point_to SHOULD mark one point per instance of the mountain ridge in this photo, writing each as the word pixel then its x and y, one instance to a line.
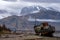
pixel 21 22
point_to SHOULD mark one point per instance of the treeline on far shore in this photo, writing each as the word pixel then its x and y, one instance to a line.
pixel 4 29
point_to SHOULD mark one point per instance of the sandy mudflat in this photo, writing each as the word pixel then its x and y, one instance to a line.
pixel 27 37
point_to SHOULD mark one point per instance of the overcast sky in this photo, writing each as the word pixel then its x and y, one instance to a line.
pixel 46 1
pixel 15 6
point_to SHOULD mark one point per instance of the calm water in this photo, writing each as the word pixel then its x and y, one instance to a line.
pixel 57 34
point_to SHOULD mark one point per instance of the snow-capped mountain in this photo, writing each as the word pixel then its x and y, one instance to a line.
pixel 31 9
pixel 28 10
pixel 41 12
pixel 36 9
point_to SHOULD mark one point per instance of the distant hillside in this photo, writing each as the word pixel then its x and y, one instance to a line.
pixel 17 22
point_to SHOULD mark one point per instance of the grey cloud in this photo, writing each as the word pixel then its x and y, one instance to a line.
pixel 46 1
pixel 3 11
pixel 10 0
